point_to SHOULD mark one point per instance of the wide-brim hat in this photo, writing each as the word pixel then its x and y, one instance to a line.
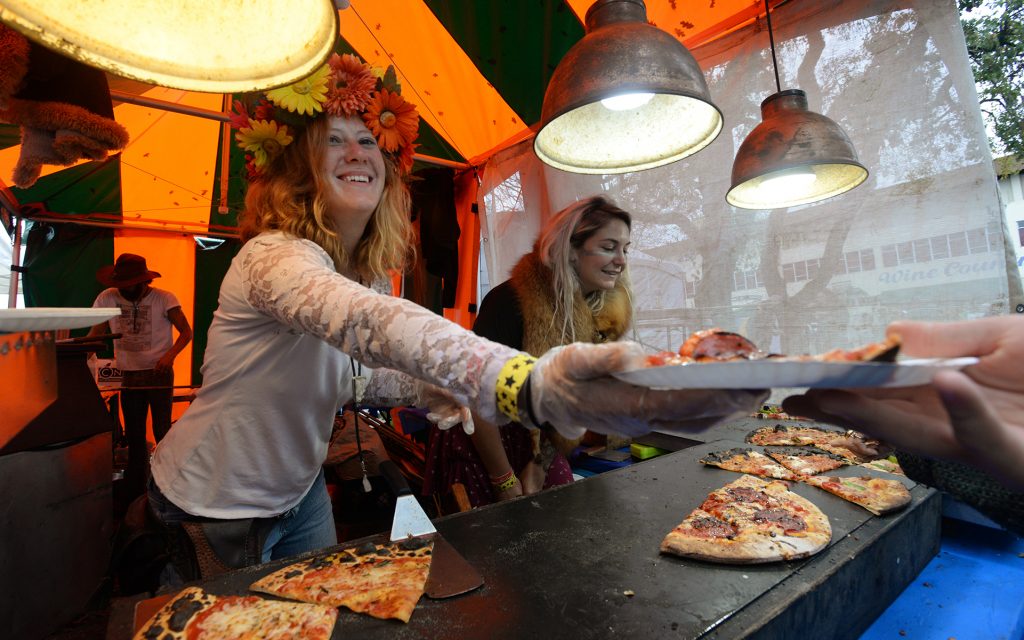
pixel 128 270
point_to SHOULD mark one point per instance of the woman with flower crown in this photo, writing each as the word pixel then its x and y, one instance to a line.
pixel 303 310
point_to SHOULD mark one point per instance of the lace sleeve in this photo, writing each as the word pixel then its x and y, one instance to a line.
pixel 294 282
pixel 390 388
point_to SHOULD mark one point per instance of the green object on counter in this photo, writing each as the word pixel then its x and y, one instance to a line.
pixel 644 452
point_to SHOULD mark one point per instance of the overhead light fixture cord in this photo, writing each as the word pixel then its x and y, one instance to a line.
pixel 771 41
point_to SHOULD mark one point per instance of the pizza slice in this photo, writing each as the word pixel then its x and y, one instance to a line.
pixel 851 445
pixel 750 521
pixel 384 581
pixel 715 345
pixel 806 461
pixel 788 435
pixel 877 495
pixel 885 351
pixel 884 464
pixel 774 412
pixel 194 614
pixel 749 461
pixel 854 454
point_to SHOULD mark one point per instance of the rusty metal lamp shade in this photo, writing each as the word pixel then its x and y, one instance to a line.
pixel 623 56
pixel 795 156
pixel 216 47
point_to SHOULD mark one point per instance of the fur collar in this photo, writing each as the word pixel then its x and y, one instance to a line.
pixel 532 282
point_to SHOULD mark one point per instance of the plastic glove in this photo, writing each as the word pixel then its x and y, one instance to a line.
pixel 571 388
pixel 442 408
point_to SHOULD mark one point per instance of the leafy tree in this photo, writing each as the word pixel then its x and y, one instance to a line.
pixel 995 44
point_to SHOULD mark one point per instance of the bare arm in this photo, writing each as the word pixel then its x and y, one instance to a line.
pixel 180 322
pixel 487 441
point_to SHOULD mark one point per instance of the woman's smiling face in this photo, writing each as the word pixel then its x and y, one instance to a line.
pixel 601 259
pixel 353 167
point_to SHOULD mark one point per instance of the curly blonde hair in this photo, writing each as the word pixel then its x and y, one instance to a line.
pixel 566 231
pixel 290 198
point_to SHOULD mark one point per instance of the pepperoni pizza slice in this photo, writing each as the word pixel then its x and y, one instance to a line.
pixel 750 521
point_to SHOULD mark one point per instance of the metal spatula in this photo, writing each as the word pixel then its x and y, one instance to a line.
pixel 450 574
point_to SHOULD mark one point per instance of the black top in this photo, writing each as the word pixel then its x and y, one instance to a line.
pixel 500 317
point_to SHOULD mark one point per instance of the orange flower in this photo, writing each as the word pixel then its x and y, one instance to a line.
pixel 392 120
pixel 350 85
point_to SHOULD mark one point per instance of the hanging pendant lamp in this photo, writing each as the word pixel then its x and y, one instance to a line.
pixel 795 156
pixel 626 97
pixel 198 45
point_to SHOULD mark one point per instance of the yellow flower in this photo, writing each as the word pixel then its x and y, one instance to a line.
pixel 264 139
pixel 306 96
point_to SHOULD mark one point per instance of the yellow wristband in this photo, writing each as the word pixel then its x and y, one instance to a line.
pixel 510 381
pixel 506 485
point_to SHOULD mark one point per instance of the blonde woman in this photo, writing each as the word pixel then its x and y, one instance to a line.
pixel 573 287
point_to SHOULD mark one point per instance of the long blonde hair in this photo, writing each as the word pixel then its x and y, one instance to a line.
pixel 566 231
pixel 290 198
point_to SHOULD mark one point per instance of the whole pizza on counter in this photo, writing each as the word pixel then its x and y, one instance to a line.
pixel 381 580
pixel 750 521
pixel 194 614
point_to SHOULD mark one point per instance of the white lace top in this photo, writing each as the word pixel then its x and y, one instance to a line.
pixel 276 371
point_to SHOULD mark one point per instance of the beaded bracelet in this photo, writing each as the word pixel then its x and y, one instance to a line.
pixel 510 380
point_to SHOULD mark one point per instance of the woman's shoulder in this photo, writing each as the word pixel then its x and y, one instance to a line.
pixel 501 295
pixel 281 243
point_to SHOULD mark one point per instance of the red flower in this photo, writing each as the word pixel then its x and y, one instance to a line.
pixel 349 87
pixel 239 115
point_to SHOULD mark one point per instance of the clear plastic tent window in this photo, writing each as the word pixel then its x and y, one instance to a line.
pixel 923 238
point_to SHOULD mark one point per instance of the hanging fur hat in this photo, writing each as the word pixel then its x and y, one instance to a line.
pixel 62 106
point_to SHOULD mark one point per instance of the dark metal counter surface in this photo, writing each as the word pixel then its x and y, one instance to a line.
pixel 560 564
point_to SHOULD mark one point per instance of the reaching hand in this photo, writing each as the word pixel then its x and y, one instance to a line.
pixel 443 409
pixel 571 388
pixel 974 416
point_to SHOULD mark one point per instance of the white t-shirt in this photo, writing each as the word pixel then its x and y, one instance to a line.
pixel 144 327
pixel 276 371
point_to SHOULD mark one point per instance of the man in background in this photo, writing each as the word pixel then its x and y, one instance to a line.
pixel 144 352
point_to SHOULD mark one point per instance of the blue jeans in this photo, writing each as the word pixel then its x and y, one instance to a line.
pixel 308 526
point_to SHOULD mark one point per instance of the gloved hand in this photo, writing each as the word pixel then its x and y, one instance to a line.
pixel 571 388
pixel 443 409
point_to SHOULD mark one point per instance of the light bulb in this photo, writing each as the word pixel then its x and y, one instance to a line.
pixel 787 182
pixel 627 101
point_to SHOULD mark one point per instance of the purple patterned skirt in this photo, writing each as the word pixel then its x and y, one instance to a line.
pixel 451 458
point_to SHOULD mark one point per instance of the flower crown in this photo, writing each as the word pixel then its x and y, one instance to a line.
pixel 345 86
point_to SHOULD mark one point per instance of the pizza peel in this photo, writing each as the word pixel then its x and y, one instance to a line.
pixel 450 573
